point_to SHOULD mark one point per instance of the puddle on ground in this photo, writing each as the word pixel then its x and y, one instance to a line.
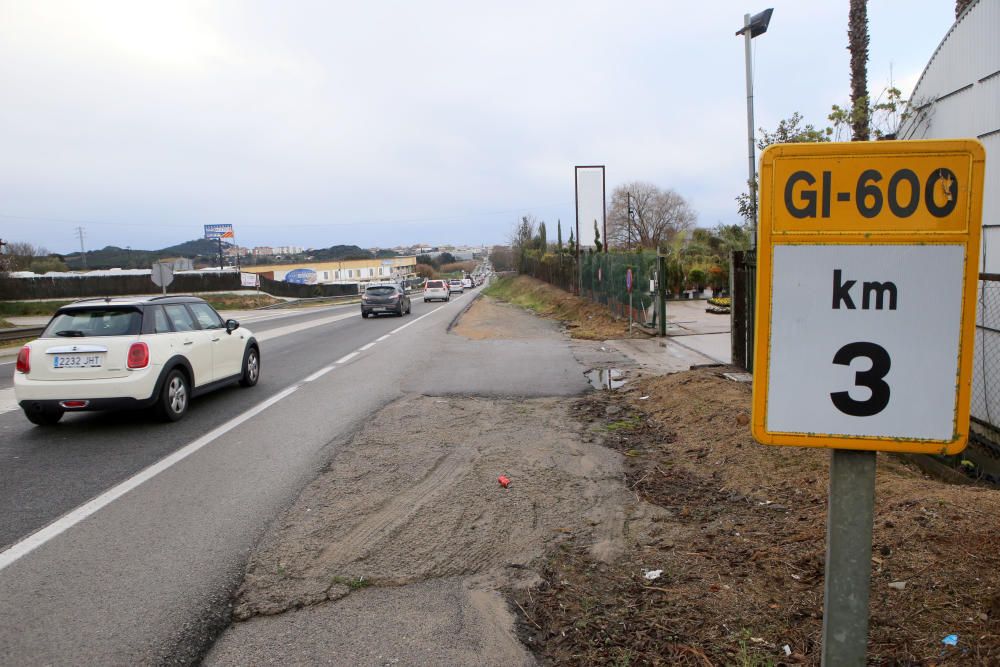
pixel 606 378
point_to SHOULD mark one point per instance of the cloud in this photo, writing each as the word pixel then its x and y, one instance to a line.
pixel 315 123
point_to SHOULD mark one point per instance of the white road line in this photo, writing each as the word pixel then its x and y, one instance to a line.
pixel 381 338
pixel 8 403
pixel 20 549
pixel 295 328
pixel 67 521
pixel 398 329
pixel 366 347
pixel 318 374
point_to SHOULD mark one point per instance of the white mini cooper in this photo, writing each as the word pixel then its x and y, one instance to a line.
pixel 101 354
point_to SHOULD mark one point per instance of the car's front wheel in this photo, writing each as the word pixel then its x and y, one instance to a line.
pixel 174 397
pixel 43 416
pixel 251 368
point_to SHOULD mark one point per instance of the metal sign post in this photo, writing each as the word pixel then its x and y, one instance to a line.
pixel 847 580
pixel 661 293
pixel 861 245
pixel 628 286
pixel 162 275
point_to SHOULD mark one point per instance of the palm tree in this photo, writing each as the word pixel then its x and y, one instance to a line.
pixel 857 44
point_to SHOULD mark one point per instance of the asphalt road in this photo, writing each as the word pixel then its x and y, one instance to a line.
pixel 123 537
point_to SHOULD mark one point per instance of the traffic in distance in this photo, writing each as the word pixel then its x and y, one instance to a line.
pixel 160 352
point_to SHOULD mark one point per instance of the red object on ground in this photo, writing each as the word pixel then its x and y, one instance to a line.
pixel 504 482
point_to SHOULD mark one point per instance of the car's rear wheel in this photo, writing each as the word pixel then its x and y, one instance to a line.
pixel 44 416
pixel 251 368
pixel 364 315
pixel 174 397
pixel 409 307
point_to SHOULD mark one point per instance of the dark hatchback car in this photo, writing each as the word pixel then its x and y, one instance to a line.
pixel 384 299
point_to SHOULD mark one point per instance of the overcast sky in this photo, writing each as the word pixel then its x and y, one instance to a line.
pixel 385 123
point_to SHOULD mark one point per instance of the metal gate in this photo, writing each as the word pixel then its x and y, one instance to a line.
pixel 744 295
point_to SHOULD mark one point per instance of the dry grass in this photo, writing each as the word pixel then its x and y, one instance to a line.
pixel 239 301
pixel 583 318
pixel 744 550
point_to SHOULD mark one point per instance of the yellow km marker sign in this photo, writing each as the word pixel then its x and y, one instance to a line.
pixel 866 283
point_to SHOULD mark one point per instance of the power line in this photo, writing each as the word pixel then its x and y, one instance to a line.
pixel 270 225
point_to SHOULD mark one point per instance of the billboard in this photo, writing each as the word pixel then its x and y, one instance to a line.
pixel 301 277
pixel 590 204
pixel 218 231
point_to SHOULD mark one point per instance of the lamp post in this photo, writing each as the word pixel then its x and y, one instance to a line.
pixel 628 196
pixel 752 26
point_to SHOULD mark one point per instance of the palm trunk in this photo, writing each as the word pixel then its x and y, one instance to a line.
pixel 857 36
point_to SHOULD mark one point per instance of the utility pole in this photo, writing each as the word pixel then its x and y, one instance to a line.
pixel 628 197
pixel 83 253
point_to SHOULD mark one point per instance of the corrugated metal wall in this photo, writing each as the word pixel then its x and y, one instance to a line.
pixel 958 96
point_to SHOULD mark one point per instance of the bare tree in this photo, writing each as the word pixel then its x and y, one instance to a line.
pixel 18 255
pixel 522 238
pixel 658 215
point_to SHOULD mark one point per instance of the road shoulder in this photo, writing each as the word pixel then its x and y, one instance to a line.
pixel 403 549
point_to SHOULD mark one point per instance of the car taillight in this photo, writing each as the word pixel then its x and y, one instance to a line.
pixel 24 360
pixel 138 355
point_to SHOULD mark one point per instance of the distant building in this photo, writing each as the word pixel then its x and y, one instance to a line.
pixel 345 271
pixel 263 251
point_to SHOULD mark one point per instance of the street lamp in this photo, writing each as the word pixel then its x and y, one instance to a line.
pixel 752 26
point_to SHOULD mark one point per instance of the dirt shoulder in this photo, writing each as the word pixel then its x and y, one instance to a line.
pixel 400 551
pixel 743 577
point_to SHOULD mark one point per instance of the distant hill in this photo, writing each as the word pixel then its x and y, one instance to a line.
pixel 338 252
pixel 204 253
pixel 111 257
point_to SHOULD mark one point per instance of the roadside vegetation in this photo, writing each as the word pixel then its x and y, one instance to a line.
pixel 583 318
pixel 444 265
pixel 29 308
pixel 734 574
pixel 218 301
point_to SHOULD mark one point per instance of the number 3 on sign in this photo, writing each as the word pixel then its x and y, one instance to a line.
pixel 871 378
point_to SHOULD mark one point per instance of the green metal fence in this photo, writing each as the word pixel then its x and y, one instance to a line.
pixel 603 280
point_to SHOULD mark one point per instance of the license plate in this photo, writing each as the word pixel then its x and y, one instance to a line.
pixel 76 361
pixel 379 308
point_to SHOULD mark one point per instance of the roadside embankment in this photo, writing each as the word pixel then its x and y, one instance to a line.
pixel 739 574
pixel 583 318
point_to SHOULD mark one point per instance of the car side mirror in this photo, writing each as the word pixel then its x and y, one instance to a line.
pixel 231 326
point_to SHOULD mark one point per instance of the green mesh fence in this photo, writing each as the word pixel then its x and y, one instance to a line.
pixel 603 280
